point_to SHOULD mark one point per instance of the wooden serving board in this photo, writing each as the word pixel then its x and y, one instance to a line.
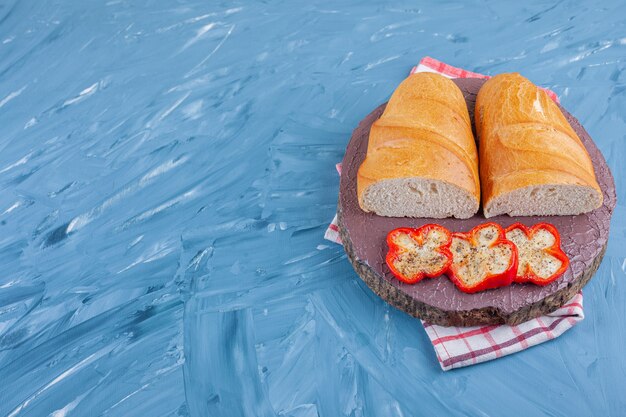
pixel 438 301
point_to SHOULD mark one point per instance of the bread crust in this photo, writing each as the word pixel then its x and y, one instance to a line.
pixel 525 140
pixel 425 131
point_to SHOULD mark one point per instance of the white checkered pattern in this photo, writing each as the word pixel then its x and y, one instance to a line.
pixel 456 347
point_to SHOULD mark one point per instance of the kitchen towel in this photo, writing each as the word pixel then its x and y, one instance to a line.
pixel 456 347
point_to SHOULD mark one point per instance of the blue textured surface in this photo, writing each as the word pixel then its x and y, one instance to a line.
pixel 167 173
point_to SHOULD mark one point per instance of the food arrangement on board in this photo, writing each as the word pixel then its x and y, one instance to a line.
pixel 490 183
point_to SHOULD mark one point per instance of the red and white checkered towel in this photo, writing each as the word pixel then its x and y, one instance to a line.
pixel 462 346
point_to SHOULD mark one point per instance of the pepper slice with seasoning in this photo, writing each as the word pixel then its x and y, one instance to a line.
pixel 541 259
pixel 482 259
pixel 418 253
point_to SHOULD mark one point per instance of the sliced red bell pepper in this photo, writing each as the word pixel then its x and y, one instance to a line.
pixel 482 259
pixel 541 259
pixel 418 253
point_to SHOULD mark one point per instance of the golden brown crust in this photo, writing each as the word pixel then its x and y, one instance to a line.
pixel 424 132
pixel 525 140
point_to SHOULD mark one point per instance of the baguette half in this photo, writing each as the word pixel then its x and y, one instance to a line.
pixel 421 156
pixel 532 163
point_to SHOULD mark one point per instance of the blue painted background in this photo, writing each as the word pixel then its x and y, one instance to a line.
pixel 167 173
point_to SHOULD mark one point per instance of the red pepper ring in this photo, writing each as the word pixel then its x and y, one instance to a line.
pixel 482 259
pixel 417 253
pixel 541 259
